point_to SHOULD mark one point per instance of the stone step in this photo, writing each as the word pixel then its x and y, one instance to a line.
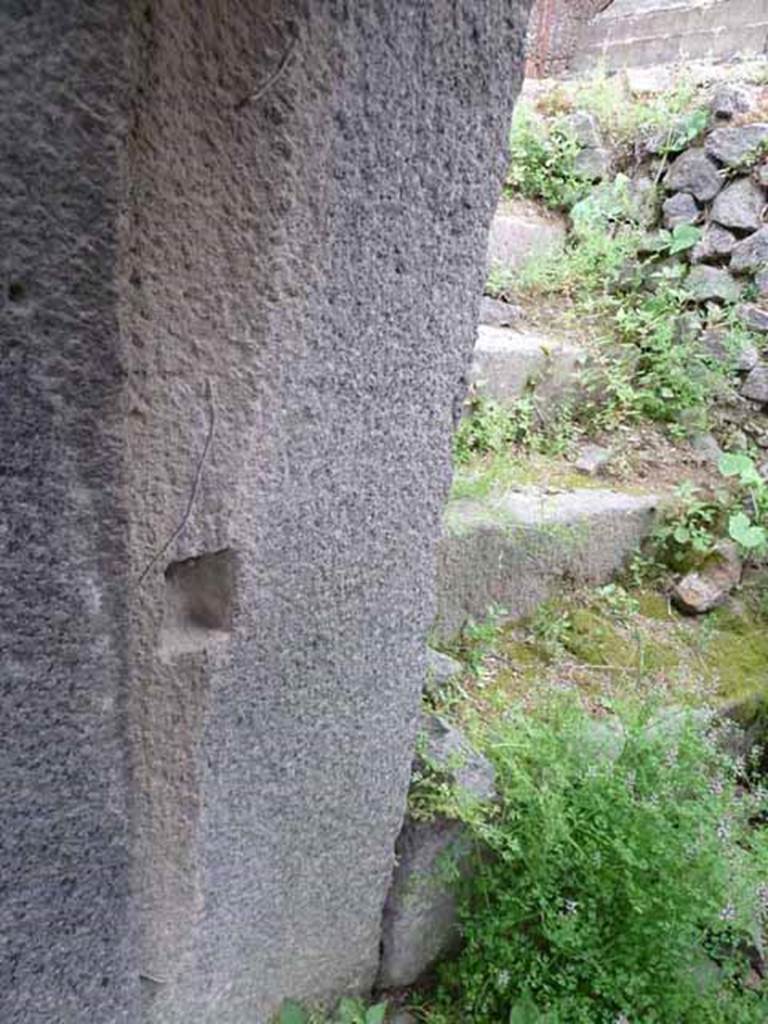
pixel 517 549
pixel 509 362
pixel 521 229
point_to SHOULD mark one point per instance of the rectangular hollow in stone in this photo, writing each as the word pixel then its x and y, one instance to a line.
pixel 198 601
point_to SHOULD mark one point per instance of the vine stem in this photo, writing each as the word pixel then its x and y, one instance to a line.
pixel 195 486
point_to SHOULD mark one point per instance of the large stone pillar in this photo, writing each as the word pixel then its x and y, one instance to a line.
pixel 66 943
pixel 245 254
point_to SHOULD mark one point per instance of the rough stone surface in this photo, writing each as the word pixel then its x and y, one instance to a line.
pixel 736 147
pixel 519 230
pixel 687 327
pixel 715 343
pixel 761 283
pixel 517 549
pixel 755 387
pixel 751 253
pixel 593 459
pixel 441 669
pixel 707 447
pixel 496 313
pixel 449 749
pixel 307 263
pixel 681 208
pixel 420 923
pixel 507 363
pixel 583 127
pixel 730 99
pixel 67 951
pixel 643 200
pixel 754 317
pixel 594 164
pixel 715 242
pixel 694 172
pixel 706 283
pixel 701 591
pixel 739 205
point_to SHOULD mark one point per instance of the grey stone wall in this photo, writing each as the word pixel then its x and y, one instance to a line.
pixel 235 326
pixel 637 33
pixel 66 948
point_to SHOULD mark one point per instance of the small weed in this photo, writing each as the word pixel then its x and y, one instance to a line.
pixel 550 628
pixel 490 427
pixel 616 602
pixel 477 639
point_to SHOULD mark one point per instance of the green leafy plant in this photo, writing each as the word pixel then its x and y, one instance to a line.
pixel 622 115
pixel 619 878
pixel 682 238
pixel 606 205
pixel 477 638
pixel 689 529
pixel 683 130
pixel 616 601
pixel 550 628
pixel 490 427
pixel 542 162
pixel 748 526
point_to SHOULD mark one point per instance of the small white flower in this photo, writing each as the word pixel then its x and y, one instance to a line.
pixel 502 979
pixel 728 913
pixel 571 906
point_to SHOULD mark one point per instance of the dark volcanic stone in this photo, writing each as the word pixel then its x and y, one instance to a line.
pixel 737 147
pixel 694 172
pixel 751 253
pixel 707 283
pixel 681 208
pixel 715 242
pixel 739 205
pixel 205 755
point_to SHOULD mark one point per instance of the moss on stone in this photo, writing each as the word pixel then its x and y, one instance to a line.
pixel 738 660
pixel 652 605
pixel 595 641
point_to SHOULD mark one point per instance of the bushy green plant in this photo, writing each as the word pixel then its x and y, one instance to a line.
pixel 587 268
pixel 542 162
pixel 689 529
pixel 489 427
pixel 550 627
pixel 621 878
pixel 670 373
pixel 623 116
pixel 477 638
